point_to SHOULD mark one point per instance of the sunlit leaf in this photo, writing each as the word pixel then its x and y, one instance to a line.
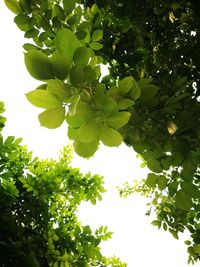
pixel 126 84
pixel 52 118
pixel 43 99
pixel 59 89
pixel 85 150
pixel 97 35
pixel 66 42
pixel 119 119
pixel 110 137
pixel 89 132
pixel 125 103
pixel 96 46
pixel 13 5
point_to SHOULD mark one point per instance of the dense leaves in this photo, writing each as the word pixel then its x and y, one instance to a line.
pixel 149 99
pixel 38 205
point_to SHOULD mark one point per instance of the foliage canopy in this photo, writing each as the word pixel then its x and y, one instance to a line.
pixel 38 205
pixel 149 100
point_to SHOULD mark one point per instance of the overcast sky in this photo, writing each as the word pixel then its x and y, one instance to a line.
pixel 135 240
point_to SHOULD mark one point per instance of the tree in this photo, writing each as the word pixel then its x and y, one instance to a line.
pixel 149 100
pixel 38 205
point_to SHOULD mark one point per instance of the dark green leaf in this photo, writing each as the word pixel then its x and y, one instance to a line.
pixel 38 65
pixel 183 201
pixel 82 56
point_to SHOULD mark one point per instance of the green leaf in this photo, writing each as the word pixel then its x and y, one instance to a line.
pixel 73 132
pixel 156 223
pixel 85 150
pixel 190 189
pixel 74 100
pixel 21 19
pixel 183 201
pixel 52 118
pixel 38 65
pixel 135 91
pixel 162 182
pixel 13 5
pixel 76 75
pixel 125 103
pixel 89 132
pixel 60 89
pixel 96 46
pixel 110 137
pixel 66 42
pixel 43 99
pixel 89 74
pixel 196 248
pixel 82 56
pixel 60 65
pixel 126 84
pixel 31 33
pixel 148 92
pixel 151 180
pixel 82 115
pixel 69 5
pixel 154 165
pixel 97 35
pixel 118 120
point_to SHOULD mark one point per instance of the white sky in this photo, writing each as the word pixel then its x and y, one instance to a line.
pixel 135 240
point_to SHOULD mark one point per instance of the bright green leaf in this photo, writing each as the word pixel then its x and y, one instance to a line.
pixel 135 91
pixel 97 35
pixel 118 120
pixel 52 118
pixel 43 99
pixel 85 150
pixel 66 42
pixel 126 84
pixel 110 137
pixel 59 88
pixel 96 46
pixel 13 5
pixel 125 103
pixel 88 133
